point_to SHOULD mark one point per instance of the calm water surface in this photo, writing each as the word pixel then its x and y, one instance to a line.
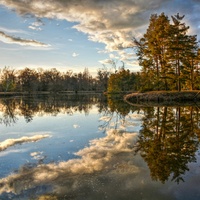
pixel 88 147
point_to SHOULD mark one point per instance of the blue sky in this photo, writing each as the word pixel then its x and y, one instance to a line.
pixel 78 34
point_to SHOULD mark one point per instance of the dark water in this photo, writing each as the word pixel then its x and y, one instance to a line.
pixel 90 147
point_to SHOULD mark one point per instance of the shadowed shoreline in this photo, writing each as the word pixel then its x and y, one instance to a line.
pixel 164 98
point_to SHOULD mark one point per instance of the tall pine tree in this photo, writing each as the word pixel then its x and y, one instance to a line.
pixel 167 54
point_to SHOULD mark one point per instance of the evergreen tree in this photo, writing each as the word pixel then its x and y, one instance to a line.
pixel 182 52
pixel 167 54
pixel 151 51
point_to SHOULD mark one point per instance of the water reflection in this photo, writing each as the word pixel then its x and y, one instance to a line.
pixel 168 141
pixel 71 176
pixel 11 142
pixel 110 167
pixel 119 115
pixel 8 109
pixel 47 105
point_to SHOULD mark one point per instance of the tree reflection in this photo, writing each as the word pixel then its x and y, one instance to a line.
pixel 30 106
pixel 8 109
pixel 116 114
pixel 168 141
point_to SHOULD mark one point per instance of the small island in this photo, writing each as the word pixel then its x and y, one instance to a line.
pixel 163 97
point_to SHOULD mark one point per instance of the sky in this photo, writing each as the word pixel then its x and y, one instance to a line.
pixel 78 34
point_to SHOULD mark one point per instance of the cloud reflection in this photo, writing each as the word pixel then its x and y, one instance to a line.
pixel 11 142
pixel 101 155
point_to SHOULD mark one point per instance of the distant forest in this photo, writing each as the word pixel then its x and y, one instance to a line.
pixel 37 80
pixel 168 56
pixel 52 80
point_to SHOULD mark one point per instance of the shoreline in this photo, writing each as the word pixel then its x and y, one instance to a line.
pixel 163 98
pixel 13 94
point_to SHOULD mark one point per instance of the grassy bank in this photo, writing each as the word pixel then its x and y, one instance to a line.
pixel 163 97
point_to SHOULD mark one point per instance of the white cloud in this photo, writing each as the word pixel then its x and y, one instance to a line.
pixel 36 25
pixel 127 57
pixel 11 151
pixel 102 51
pixel 23 42
pixel 112 56
pixel 37 155
pixel 106 61
pixel 75 54
pixel 35 28
pixel 3 29
pixel 10 142
pixel 76 126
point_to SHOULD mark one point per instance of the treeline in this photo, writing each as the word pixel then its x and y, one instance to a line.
pixel 32 80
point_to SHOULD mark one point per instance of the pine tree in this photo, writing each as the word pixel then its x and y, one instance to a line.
pixel 152 49
pixel 178 44
pixel 167 54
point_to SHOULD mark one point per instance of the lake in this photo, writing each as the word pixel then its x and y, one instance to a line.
pixel 93 147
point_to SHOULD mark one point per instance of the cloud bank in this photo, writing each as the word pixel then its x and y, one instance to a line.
pixel 113 22
pixel 17 40
pixel 109 22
